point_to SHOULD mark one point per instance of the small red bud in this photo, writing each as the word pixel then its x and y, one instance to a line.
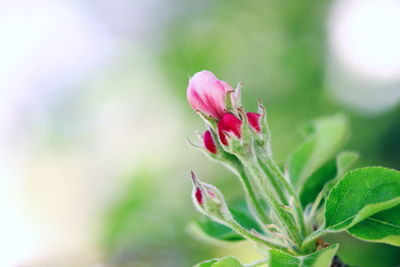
pixel 209 142
pixel 199 196
pixel 254 121
pixel 209 200
pixel 229 124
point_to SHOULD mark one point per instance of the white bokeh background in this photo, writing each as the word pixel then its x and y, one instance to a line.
pixel 80 99
pixel 364 54
pixel 72 118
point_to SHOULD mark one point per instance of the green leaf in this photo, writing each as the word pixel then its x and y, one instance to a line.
pixel 324 138
pixel 344 161
pixel 329 172
pixel 383 227
pixel 205 226
pixel 222 262
pixel 316 182
pixel 359 194
pixel 221 232
pixel 321 258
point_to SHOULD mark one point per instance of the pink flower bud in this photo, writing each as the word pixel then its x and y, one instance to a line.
pixel 209 142
pixel 209 200
pixel 229 124
pixel 200 189
pixel 206 93
pixel 199 196
pixel 254 121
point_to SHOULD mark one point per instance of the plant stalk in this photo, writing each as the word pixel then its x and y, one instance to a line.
pixel 269 164
pixel 283 216
pixel 246 234
pixel 252 200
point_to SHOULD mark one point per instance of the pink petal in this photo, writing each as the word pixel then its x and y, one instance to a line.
pixel 229 124
pixel 199 196
pixel 254 121
pixel 207 94
pixel 209 142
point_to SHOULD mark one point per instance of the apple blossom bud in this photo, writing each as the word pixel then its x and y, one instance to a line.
pixel 199 196
pixel 210 201
pixel 209 143
pixel 229 124
pixel 254 121
pixel 206 93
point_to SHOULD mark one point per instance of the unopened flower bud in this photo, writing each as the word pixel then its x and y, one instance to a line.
pixel 229 124
pixel 206 93
pixel 210 201
pixel 254 121
pixel 209 143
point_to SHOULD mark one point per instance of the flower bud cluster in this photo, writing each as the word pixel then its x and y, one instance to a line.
pixel 218 104
pixel 240 140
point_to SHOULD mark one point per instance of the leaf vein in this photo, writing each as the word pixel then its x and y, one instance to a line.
pixel 383 222
pixel 341 200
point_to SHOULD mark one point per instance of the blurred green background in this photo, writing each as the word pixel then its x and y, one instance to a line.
pixel 94 120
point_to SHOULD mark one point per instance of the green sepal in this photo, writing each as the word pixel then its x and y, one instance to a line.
pixel 266 135
pixel 209 121
pixel 238 95
pixel 238 147
pixel 229 105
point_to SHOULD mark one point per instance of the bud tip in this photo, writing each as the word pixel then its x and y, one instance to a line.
pixel 199 196
pixel 194 178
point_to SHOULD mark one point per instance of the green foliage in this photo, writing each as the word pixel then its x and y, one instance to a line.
pixel 324 138
pixel 215 230
pixel 317 181
pixel 365 201
pixel 321 258
pixel 204 225
pixel 329 172
pixel 359 194
pixel 344 161
pixel 381 227
pixel 222 262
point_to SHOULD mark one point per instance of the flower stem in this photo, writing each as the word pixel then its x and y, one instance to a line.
pixel 312 237
pixel 270 164
pixel 253 202
pixel 283 216
pixel 246 234
pixel 276 185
